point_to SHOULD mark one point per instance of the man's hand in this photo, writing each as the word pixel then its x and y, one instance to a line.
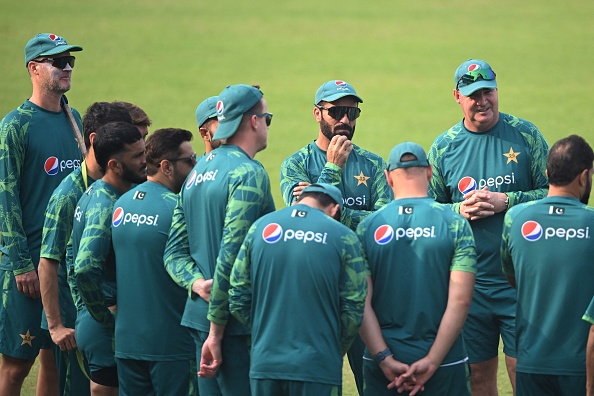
pixel 28 284
pixel 393 369
pixel 202 287
pixel 212 357
pixel 417 376
pixel 63 337
pixel 338 150
pixel 479 204
pixel 299 189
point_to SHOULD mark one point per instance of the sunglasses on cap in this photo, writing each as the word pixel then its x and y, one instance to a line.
pixel 338 112
pixel 191 160
pixel 59 63
pixel 475 75
pixel 267 115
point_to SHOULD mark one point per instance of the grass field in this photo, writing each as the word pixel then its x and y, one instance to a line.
pixel 166 56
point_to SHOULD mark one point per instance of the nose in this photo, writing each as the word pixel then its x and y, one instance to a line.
pixel 68 67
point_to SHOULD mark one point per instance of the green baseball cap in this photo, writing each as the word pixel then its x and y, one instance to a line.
pixel 206 110
pixel 395 158
pixel 46 44
pixel 234 101
pixel 328 189
pixel 334 90
pixel 472 75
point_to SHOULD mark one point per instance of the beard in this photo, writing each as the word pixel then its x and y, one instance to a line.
pixel 586 197
pixel 133 177
pixel 339 129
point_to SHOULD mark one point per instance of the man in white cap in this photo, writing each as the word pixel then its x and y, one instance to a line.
pixel 39 148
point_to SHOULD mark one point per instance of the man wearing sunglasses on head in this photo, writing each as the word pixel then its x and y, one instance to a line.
pixel 38 150
pixel 483 165
pixel 335 160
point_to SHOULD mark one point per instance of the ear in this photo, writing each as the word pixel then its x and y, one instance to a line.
pixel 457 95
pixel 114 166
pixel 317 113
pixel 253 121
pixel 332 209
pixel 389 178
pixel 92 137
pixel 584 175
pixel 205 134
pixel 33 68
pixel 166 167
pixel 429 172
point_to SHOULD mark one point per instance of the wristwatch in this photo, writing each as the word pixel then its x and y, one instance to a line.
pixel 506 202
pixel 382 355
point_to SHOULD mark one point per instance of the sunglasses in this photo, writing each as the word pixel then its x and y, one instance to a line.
pixel 337 112
pixel 475 75
pixel 267 115
pixel 191 159
pixel 59 63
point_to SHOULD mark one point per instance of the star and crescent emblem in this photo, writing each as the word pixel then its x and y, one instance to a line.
pixel 511 156
pixel 27 338
pixel 361 179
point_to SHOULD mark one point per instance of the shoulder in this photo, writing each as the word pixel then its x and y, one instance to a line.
pixel 300 154
pixel 17 119
pixel 520 124
pixel 445 139
pixel 367 155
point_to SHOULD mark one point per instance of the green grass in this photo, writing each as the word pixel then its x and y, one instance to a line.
pixel 166 56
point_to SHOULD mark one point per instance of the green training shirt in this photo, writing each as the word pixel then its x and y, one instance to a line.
pixel 362 181
pixel 411 246
pixel 509 158
pixel 589 315
pixel 150 303
pixel 94 259
pixel 57 229
pixel 37 150
pixel 547 246
pixel 223 195
pixel 299 282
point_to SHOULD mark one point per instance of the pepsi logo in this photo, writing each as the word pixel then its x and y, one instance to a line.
pixel 466 185
pixel 474 66
pixel 340 83
pixel 191 179
pixel 220 107
pixel 53 37
pixel 52 166
pixel 118 216
pixel 272 233
pixel 384 234
pixel 531 231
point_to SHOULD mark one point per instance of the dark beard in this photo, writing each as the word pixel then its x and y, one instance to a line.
pixel 339 129
pixel 132 177
pixel 586 197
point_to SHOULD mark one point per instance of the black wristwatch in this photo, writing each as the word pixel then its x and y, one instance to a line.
pixel 382 355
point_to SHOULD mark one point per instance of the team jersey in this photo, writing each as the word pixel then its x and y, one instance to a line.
pixel 362 181
pixel 150 304
pixel 37 150
pixel 589 315
pixel 547 246
pixel 57 229
pixel 509 158
pixel 223 195
pixel 94 259
pixel 304 309
pixel 411 246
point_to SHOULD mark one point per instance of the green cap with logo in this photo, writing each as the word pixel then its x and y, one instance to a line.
pixel 334 90
pixel 234 101
pixel 328 189
pixel 47 44
pixel 395 158
pixel 472 75
pixel 206 110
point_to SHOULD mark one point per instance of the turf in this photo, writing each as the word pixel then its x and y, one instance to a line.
pixel 166 56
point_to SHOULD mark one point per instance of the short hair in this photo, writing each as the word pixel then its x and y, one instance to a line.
pixel 101 113
pixel 568 158
pixel 111 139
pixel 164 144
pixel 139 116
pixel 323 199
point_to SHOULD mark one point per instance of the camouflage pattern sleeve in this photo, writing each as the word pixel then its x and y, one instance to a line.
pixel 506 260
pixel 94 249
pixel 589 315
pixel 293 171
pixel 12 156
pixel 240 292
pixel 352 289
pixel 464 258
pixel 178 261
pixel 249 199
pixel 437 185
pixel 539 151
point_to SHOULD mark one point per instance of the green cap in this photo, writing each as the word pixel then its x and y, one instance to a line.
pixel 328 189
pixel 46 44
pixel 234 101
pixel 334 90
pixel 206 110
pixel 395 158
pixel 474 65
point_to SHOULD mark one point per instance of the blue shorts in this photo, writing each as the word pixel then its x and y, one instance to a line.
pixel 492 315
pixel 20 321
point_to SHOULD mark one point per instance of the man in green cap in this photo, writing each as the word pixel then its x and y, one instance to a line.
pixel 289 299
pixel 38 150
pixel 483 165
pixel 206 117
pixel 224 194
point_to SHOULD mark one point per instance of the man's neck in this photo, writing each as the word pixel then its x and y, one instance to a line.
pixel 50 101
pixel 116 181
pixel 322 142
pixel 93 169
pixel 161 179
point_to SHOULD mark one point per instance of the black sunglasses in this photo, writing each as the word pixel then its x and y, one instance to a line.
pixel 337 112
pixel 191 159
pixel 267 115
pixel 59 63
